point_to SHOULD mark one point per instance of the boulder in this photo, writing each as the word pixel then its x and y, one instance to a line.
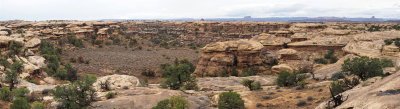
pixel 37 60
pixel 117 82
pixel 32 43
pixel 33 88
pixel 281 67
pixel 29 52
pixel 50 80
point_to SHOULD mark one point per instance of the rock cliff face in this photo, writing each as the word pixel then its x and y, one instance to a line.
pixel 221 56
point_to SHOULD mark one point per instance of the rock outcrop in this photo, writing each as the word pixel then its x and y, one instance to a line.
pixel 221 56
pixel 365 48
pixel 326 71
pixel 391 50
pixel 116 82
pixel 270 40
pixel 383 94
pixel 281 67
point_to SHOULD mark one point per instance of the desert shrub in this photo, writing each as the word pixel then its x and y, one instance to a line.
pixel 78 94
pixel 249 71
pixel 20 103
pixel 386 62
pixel 38 105
pixel 191 84
pixel 365 67
pixel 71 72
pixel 108 43
pixel 148 73
pixel 4 63
pixel 178 74
pixel 61 42
pixel 320 61
pixel 230 100
pixel 175 102
pixel 80 59
pixel 116 41
pixel 31 80
pixel 110 95
pixel 20 92
pixel 5 94
pixel 337 75
pixel 234 71
pixel 15 48
pixel 273 62
pixel 76 42
pixel 97 42
pixel 12 78
pixel 388 42
pixel 224 73
pixel 61 73
pixel 290 79
pixel 373 28
pixel 345 84
pixel 251 84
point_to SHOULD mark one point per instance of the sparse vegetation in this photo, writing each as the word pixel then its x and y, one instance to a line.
pixel 38 105
pixel 148 73
pixel 76 42
pixel 20 103
pixel 249 71
pixel 365 67
pixel 290 79
pixel 251 84
pixel 110 95
pixel 175 102
pixel 178 75
pixel 230 100
pixel 388 42
pixel 77 94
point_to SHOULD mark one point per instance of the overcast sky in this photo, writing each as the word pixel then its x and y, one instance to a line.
pixel 155 9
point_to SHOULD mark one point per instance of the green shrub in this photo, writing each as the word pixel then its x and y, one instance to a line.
pixel 61 73
pixel 12 78
pixel 337 75
pixel 15 48
pixel 388 42
pixel 320 61
pixel 148 73
pixel 108 43
pixel 20 103
pixel 116 41
pixel 273 62
pixel 20 92
pixel 175 102
pixel 251 84
pixel 178 74
pixel 71 72
pixel 38 105
pixel 31 80
pixel 72 60
pixel 191 84
pixel 249 71
pixel 365 67
pixel 110 95
pixel 78 94
pixel 5 94
pixel 290 79
pixel 234 72
pixel 230 100
pixel 76 42
pixel 224 73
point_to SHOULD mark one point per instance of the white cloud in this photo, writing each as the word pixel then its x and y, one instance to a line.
pixel 110 9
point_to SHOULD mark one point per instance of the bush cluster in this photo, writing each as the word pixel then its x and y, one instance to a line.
pixel 329 56
pixel 175 102
pixel 148 73
pixel 76 42
pixel 290 79
pixel 365 67
pixel 230 100
pixel 178 75
pixel 110 95
pixel 76 95
pixel 249 71
pixel 251 84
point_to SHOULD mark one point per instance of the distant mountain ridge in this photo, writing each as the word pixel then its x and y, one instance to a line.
pixel 275 19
